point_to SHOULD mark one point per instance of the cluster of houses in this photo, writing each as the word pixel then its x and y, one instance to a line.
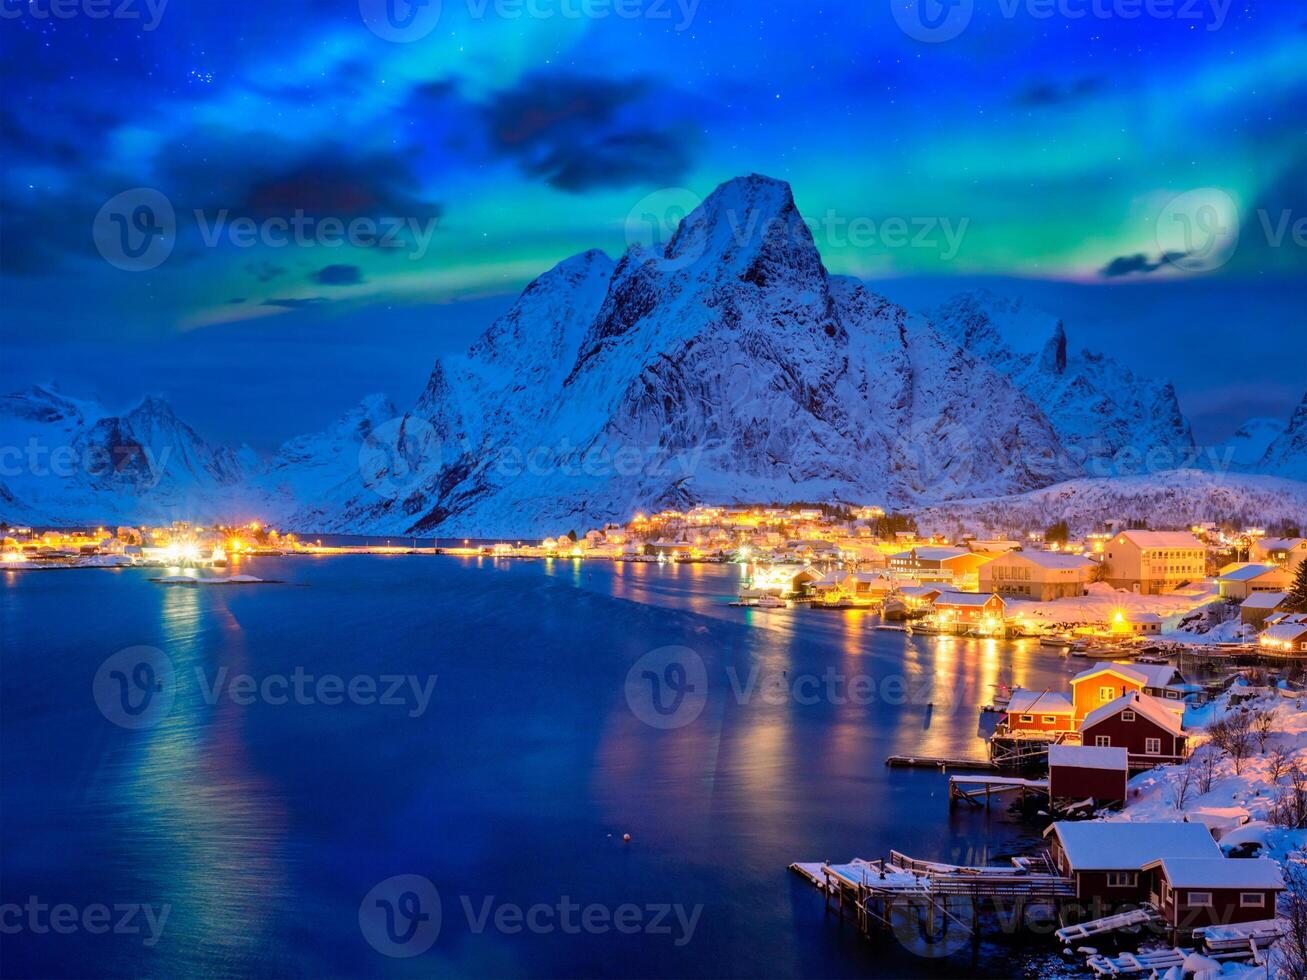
pixel 1178 868
pixel 1137 708
pixel 177 543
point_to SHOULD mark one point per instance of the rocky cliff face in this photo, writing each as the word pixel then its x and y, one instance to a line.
pixel 1108 419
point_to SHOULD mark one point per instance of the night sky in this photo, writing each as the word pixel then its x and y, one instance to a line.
pixel 471 144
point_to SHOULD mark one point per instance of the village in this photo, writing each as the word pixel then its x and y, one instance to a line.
pixel 1168 778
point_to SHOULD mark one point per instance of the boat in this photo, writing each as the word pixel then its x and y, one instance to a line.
pixel 771 602
pixel 218 559
pixel 1055 641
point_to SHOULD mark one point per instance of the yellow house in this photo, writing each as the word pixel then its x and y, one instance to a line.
pixel 1103 684
pixel 1150 562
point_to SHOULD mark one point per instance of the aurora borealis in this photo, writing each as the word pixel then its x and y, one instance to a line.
pixel 1050 137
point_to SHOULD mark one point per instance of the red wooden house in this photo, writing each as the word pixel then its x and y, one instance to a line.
pixel 1037 714
pixel 1106 860
pixel 1192 892
pixel 1082 772
pixel 1147 727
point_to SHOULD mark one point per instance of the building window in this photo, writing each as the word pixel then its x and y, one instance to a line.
pixel 1122 879
pixel 1103 741
pixel 1153 746
pixel 1027 719
pixel 1252 900
pixel 1127 716
pixel 1106 694
pixel 1200 899
pixel 1050 719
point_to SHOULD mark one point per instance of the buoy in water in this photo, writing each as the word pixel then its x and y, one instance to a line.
pixel 626 837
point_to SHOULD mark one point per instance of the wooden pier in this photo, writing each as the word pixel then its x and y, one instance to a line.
pixel 980 790
pixel 881 895
pixel 937 762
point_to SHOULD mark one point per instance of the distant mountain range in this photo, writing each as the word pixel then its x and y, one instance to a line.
pixel 727 366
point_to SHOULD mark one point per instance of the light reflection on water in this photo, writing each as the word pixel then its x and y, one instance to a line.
pixel 264 825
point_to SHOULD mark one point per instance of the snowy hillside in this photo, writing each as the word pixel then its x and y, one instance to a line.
pixel 1172 499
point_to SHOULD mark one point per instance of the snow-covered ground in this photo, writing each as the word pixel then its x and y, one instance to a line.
pixel 1238 807
pixel 1103 603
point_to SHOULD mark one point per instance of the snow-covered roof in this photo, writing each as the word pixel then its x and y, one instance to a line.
pixel 920 591
pixel 1134 672
pixel 965 598
pixel 939 553
pixel 1093 845
pixel 1280 544
pixel 1285 631
pixel 1162 539
pixel 1142 617
pixel 1024 702
pixel 1050 559
pixel 1158 675
pixel 1264 600
pixel 1248 573
pixel 1143 704
pixel 1220 872
pixel 1088 757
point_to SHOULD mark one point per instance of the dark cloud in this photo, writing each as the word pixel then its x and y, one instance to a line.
pixel 576 133
pixel 294 303
pixel 1048 93
pixel 1139 263
pixel 338 275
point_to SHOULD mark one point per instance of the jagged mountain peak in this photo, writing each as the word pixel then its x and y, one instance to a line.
pixel 1287 455
pixel 1053 358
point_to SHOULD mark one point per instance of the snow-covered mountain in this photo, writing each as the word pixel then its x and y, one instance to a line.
pixel 1108 418
pixel 71 460
pixel 1287 455
pixel 727 366
pixel 1246 449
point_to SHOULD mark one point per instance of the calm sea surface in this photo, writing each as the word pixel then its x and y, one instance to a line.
pixel 261 820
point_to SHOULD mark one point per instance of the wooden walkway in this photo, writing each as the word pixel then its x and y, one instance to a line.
pixel 937 762
pixel 980 790
pixel 874 892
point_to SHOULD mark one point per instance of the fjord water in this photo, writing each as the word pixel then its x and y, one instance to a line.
pixel 261 826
